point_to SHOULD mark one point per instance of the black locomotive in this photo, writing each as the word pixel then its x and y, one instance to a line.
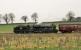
pixel 35 29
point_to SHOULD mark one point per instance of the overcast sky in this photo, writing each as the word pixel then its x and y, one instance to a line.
pixel 48 10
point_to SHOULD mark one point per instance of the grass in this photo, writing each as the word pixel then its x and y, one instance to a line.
pixel 45 49
pixel 40 41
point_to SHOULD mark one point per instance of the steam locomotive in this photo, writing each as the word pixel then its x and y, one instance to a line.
pixel 35 29
pixel 63 28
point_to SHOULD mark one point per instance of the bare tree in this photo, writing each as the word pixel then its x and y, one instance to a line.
pixel 70 16
pixel 11 16
pixel 24 18
pixel 34 17
pixel 6 18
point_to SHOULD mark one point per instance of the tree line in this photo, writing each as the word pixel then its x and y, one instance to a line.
pixel 70 17
pixel 10 18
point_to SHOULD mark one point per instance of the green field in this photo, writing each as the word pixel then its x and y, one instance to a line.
pixel 6 28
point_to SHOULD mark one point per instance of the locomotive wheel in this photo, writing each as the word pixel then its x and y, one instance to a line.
pixel 63 31
pixel 69 31
pixel 66 31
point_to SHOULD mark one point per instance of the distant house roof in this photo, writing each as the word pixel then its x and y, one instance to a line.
pixel 59 22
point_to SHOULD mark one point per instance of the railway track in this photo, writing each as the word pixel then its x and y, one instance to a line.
pixel 7 33
pixel 11 33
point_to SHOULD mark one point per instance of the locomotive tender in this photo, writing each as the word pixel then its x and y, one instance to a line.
pixel 63 28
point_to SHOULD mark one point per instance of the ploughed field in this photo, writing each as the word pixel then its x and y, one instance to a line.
pixel 51 41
